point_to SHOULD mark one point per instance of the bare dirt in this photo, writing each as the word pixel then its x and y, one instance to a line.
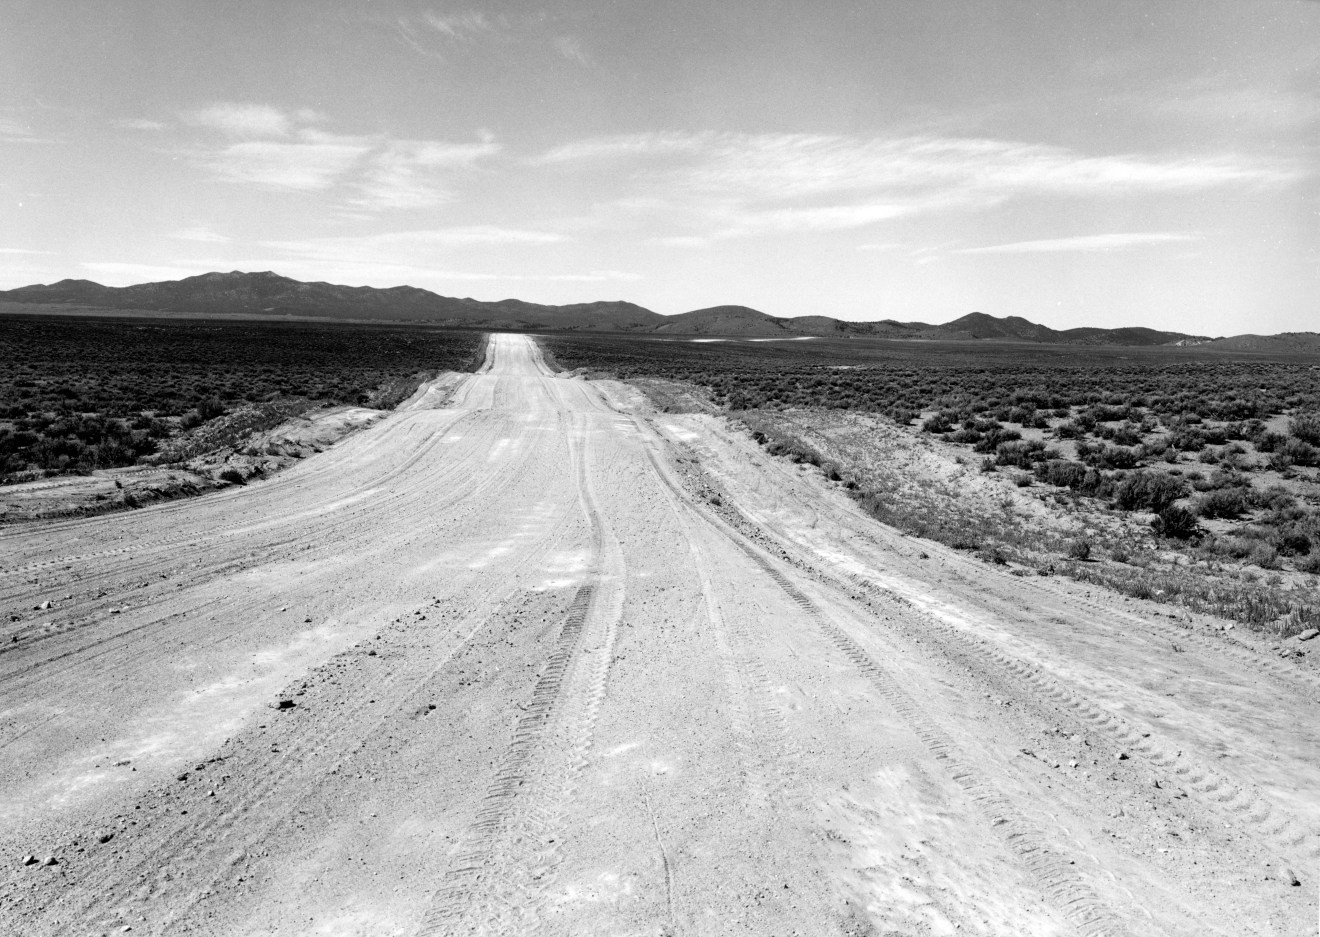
pixel 544 660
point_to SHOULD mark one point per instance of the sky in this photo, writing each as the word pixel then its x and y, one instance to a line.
pixel 1073 162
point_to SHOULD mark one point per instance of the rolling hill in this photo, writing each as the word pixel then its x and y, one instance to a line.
pixel 269 294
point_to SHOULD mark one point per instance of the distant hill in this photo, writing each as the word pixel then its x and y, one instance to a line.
pixel 239 293
pixel 1299 342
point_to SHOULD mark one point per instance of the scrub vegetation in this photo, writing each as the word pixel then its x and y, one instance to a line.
pixel 1170 473
pixel 78 394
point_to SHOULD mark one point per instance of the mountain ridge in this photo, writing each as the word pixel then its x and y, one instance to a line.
pixel 268 293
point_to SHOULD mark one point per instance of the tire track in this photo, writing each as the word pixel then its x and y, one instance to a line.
pixel 1243 805
pixel 179 877
pixel 499 874
pixel 1055 873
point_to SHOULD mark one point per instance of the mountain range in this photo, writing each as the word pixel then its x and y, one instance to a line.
pixel 269 294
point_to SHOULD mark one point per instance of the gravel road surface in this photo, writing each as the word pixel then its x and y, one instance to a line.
pixel 544 661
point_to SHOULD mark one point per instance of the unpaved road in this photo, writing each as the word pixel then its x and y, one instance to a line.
pixel 561 665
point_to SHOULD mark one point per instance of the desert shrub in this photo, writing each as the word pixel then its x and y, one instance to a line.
pixel 1306 427
pixel 1299 452
pixel 1222 502
pixel 1080 549
pixel 1309 564
pixel 1119 457
pixel 939 423
pixel 1176 522
pixel 233 476
pixel 991 441
pixel 1021 453
pixel 210 408
pixel 1188 440
pixel 1269 442
pixel 1294 543
pixel 1151 491
pixel 966 435
pixel 1062 473
pixel 1069 430
pixel 1263 555
pixel 1273 498
pixel 1124 435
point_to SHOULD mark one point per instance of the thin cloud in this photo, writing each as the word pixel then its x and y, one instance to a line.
pixel 570 47
pixel 315 163
pixel 14 130
pixel 722 185
pixel 280 150
pixel 136 123
pixel 417 173
pixel 201 234
pixel 1088 243
pixel 22 250
pixel 242 120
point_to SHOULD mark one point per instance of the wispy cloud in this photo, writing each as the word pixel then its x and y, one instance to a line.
pixel 313 163
pixel 140 123
pixel 263 145
pixel 732 185
pixel 13 130
pixel 201 234
pixel 570 47
pixel 242 120
pixel 438 35
pixel 417 173
pixel 23 250
pixel 1087 243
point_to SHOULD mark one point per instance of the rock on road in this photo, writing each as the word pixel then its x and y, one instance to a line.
pixel 544 661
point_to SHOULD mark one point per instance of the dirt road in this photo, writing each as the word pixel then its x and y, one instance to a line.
pixel 545 662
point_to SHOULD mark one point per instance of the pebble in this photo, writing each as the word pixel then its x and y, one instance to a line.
pixel 1122 756
pixel 285 704
pixel 1308 634
pixel 105 837
pixel 1290 877
pixel 51 860
pixel 29 860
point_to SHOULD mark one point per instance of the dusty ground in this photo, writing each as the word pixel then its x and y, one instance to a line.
pixel 545 661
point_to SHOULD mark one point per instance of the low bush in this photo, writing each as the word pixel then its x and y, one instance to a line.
pixel 1305 427
pixel 1062 473
pixel 1080 549
pixel 1222 502
pixel 1175 522
pixel 1150 491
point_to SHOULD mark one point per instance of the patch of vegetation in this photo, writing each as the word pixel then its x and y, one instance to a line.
pixel 79 393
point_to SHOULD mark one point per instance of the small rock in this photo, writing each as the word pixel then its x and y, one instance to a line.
pixel 1122 756
pixel 43 606
pixel 105 837
pixel 1290 877
pixel 371 654
pixel 183 777
pixel 29 860
pixel 51 860
pixel 285 704
pixel 1308 634
pixel 307 620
